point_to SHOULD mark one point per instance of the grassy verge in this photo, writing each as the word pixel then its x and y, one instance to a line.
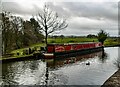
pixel 71 40
pixel 12 57
pixel 111 42
pixel 20 51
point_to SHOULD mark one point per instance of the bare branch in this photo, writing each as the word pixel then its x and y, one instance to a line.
pixel 50 21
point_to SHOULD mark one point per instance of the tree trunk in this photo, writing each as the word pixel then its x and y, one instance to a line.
pixel 17 46
pixel 4 46
pixel 46 36
pixel 102 42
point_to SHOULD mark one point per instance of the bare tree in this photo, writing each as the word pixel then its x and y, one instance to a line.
pixel 17 23
pixel 5 30
pixel 50 22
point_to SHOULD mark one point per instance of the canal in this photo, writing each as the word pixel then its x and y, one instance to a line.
pixel 90 69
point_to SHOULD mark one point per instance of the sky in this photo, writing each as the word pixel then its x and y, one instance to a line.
pixel 83 17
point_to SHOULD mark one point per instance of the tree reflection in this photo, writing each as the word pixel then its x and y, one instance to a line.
pixel 8 73
pixel 23 72
pixel 60 79
pixel 54 78
pixel 33 66
pixel 103 57
pixel 117 62
pixel 46 74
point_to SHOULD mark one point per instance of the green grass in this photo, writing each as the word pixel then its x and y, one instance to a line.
pixel 71 40
pixel 20 51
pixel 108 41
pixel 38 44
pixel 12 57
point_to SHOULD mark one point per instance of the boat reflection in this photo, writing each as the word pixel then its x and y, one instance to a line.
pixel 55 63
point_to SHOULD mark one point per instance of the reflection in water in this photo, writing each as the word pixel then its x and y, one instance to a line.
pixel 52 78
pixel 64 71
pixel 117 61
pixel 103 57
pixel 0 73
pixel 46 74
pixel 57 79
pixel 24 72
pixel 56 63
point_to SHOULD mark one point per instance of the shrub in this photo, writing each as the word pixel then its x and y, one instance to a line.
pixel 52 41
pixel 71 41
pixel 25 52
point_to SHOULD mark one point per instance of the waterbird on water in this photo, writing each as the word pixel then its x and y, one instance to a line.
pixel 88 63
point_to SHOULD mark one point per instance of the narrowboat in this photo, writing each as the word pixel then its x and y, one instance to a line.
pixel 70 49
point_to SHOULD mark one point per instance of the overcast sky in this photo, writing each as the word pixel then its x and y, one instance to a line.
pixel 83 17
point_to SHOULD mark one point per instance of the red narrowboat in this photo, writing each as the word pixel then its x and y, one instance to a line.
pixel 65 49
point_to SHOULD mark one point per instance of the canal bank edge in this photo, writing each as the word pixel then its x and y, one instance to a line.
pixel 35 55
pixel 113 81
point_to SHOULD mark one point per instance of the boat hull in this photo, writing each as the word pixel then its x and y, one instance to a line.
pixel 72 53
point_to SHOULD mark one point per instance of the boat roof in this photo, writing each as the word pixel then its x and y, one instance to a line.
pixel 71 43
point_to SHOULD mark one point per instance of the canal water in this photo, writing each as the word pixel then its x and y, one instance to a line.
pixel 90 69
